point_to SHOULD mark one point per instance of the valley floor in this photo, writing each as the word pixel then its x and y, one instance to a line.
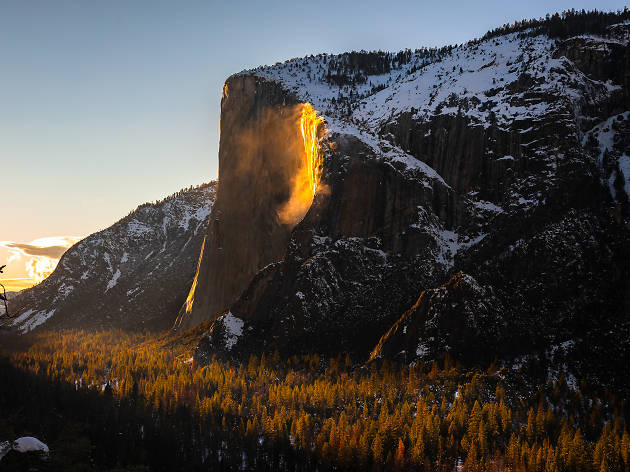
pixel 114 401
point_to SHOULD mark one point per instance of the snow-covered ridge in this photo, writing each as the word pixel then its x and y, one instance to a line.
pixel 125 268
pixel 153 222
pixel 517 83
pixel 476 80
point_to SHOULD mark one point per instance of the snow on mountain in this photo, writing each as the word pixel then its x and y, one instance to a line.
pixel 478 80
pixel 491 177
pixel 520 85
pixel 133 274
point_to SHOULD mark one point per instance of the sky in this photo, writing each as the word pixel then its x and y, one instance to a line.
pixel 106 105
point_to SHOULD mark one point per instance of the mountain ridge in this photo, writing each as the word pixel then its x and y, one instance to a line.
pixel 132 275
pixel 495 173
pixel 443 161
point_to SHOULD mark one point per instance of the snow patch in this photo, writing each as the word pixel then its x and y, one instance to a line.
pixel 108 261
pixel 624 166
pixel 487 206
pixel 34 321
pixel 24 444
pixel 422 350
pixel 29 444
pixel 22 317
pixel 137 228
pixel 233 329
pixel 114 280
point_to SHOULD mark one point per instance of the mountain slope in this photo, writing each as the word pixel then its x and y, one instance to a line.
pixel 504 158
pixel 132 275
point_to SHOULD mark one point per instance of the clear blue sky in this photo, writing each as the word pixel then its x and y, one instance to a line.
pixel 107 104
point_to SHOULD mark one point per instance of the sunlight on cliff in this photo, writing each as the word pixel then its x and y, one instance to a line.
pixel 309 125
pixel 306 182
pixel 191 294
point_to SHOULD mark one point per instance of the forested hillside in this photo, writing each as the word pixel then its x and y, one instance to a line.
pixel 115 401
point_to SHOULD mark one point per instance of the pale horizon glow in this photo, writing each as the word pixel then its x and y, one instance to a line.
pixel 30 263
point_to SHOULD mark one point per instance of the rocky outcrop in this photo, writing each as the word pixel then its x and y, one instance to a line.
pixel 599 58
pixel 133 275
pixel 462 152
pixel 460 318
pixel 564 281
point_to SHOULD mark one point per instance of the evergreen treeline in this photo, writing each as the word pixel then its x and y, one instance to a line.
pixel 169 197
pixel 111 400
pixel 566 24
pixel 355 67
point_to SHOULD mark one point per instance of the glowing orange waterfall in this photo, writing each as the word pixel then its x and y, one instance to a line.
pixel 306 182
pixel 309 123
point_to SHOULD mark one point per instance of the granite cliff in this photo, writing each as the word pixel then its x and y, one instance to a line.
pixel 469 200
pixel 484 185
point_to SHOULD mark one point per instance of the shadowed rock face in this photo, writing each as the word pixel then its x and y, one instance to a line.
pixel 354 263
pixel 458 317
pixel 259 152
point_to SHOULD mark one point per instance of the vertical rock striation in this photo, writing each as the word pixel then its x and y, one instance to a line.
pixel 258 156
pixel 492 180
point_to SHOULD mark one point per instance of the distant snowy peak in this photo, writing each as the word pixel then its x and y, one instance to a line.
pixel 151 229
pixel 132 272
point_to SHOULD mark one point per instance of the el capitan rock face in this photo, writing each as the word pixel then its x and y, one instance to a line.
pixel 258 153
pixel 504 158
